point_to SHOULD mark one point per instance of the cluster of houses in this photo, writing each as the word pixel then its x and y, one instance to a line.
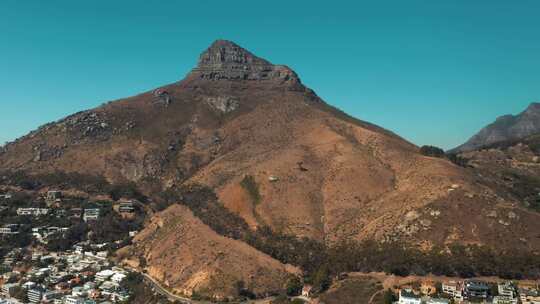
pixel 471 291
pixel 53 198
pixel 82 275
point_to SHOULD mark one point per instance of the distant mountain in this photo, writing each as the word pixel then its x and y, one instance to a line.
pixel 507 127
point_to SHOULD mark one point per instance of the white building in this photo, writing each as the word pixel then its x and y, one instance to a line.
pixel 8 289
pixel 118 278
pixel 506 289
pixel 73 300
pixel 9 229
pixel 104 275
pixel 529 296
pixel 437 301
pixel 406 296
pixel 32 211
pixel 453 289
pixel 91 214
pixel 504 300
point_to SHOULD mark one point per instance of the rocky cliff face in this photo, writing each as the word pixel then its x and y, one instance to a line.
pixel 507 127
pixel 226 60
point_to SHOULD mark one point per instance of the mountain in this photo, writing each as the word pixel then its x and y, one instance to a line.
pixel 249 149
pixel 504 128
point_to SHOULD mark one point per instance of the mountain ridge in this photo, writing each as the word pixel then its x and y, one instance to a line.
pixel 505 127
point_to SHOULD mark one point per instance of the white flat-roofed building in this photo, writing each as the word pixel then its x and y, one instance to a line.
pixel 32 211
pixel 104 275
pixel 91 214
pixel 406 296
pixel 9 229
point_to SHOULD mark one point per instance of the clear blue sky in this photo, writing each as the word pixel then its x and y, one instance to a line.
pixel 432 71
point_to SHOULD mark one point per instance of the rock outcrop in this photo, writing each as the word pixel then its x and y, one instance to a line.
pixel 226 60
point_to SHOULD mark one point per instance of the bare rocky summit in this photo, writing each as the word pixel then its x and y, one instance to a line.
pixel 226 60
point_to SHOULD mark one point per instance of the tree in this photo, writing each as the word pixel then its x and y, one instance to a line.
pixel 389 297
pixel 432 151
pixel 19 293
pixel 321 279
pixel 457 160
pixel 294 286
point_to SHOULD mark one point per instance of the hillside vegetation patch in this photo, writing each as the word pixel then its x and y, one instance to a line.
pixel 250 185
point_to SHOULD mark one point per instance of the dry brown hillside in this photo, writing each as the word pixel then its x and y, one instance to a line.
pixel 187 256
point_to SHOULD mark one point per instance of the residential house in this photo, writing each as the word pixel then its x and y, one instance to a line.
pixel 506 289
pixel 54 195
pixel 529 296
pixel 32 211
pixel 6 196
pixel 406 296
pixel 104 275
pixel 504 300
pixel 437 301
pixel 9 289
pixel 49 296
pixel 73 300
pixel 76 212
pixel 34 295
pixel 91 214
pixel 474 289
pixel 453 289
pixel 9 229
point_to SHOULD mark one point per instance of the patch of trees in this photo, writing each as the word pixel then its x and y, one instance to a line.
pixel 294 286
pixel 457 160
pixel 92 184
pixel 125 190
pixel 250 185
pixel 21 240
pixel 320 263
pixel 242 291
pixel 456 260
pixel 524 186
pixel 112 227
pixel 76 233
pixel 140 293
pixel 59 179
pixel 20 294
pixel 203 202
pixel 432 151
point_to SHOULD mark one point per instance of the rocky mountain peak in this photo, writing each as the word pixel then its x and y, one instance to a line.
pixel 225 60
pixel 533 108
pixel 224 52
pixel 506 127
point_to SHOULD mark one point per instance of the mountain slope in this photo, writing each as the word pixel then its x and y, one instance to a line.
pixel 211 265
pixel 505 128
pixel 317 172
